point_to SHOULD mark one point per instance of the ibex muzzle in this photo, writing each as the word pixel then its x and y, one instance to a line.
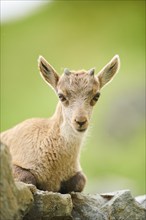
pixel 81 122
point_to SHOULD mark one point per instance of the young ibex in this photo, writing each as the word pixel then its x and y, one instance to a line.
pixel 46 152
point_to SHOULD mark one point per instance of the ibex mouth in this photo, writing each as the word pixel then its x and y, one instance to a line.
pixel 82 130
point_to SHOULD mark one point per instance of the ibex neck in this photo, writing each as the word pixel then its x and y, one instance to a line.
pixel 58 116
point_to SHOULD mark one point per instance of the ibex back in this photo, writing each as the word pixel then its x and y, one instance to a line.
pixel 46 152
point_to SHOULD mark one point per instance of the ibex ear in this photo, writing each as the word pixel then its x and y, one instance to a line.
pixel 47 72
pixel 108 72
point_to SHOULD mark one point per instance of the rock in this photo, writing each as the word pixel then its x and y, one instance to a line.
pixel 122 206
pixel 117 205
pixel 15 199
pixel 49 205
pixel 8 197
pixel 141 200
pixel 86 207
pixel 24 198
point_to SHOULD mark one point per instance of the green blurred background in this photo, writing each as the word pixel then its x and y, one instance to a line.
pixel 84 34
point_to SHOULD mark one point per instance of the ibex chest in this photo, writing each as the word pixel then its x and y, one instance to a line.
pixel 58 161
pixel 58 151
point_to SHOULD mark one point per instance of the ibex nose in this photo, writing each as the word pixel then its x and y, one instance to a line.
pixel 81 121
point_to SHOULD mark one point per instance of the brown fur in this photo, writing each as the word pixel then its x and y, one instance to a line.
pixel 75 183
pixel 23 175
pixel 46 152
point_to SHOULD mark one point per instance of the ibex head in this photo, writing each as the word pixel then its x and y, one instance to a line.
pixel 78 91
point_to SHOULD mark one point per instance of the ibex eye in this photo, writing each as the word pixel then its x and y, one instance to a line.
pixel 61 97
pixel 96 97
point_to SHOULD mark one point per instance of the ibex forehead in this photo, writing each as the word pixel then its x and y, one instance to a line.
pixel 78 82
pixel 75 80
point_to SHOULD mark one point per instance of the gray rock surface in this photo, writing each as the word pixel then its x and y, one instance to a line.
pixel 25 198
pixel 24 201
pixel 123 206
pixel 141 200
pixel 118 205
pixel 8 199
pixel 49 205
pixel 87 207
pixel 15 201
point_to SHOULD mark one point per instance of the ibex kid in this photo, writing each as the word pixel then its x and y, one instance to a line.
pixel 46 152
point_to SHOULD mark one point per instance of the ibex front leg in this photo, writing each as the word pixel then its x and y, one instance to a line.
pixel 24 175
pixel 74 184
